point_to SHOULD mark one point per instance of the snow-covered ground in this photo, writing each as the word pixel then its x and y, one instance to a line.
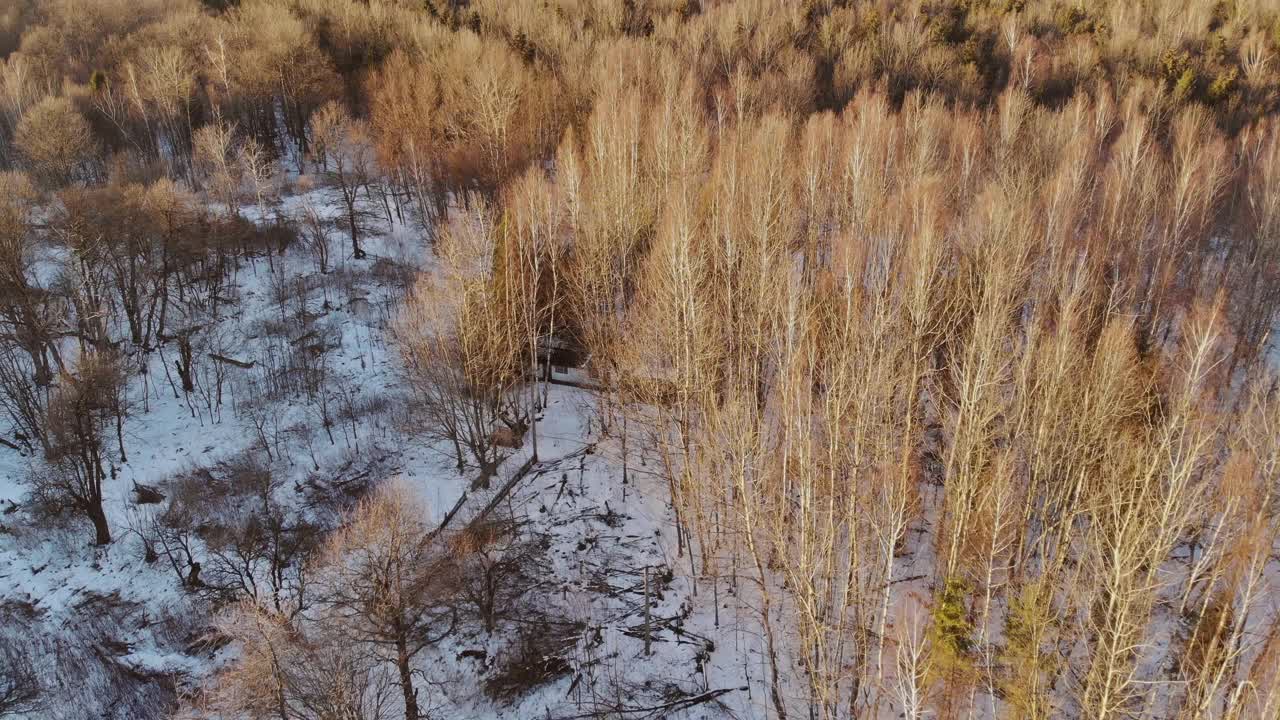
pixel 115 636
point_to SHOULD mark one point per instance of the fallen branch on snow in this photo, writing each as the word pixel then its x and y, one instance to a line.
pixel 654 711
pixel 232 361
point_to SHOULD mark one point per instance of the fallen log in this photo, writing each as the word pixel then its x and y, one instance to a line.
pixel 497 498
pixel 233 361
pixel 654 711
pixel 506 488
pixel 448 517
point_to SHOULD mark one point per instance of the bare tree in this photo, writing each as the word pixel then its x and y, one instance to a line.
pixel 342 149
pixel 22 400
pixel 497 568
pixel 214 159
pixel 912 665
pixel 294 672
pixel 262 554
pixel 463 347
pixel 315 233
pixel 29 311
pixel 386 585
pixel 82 415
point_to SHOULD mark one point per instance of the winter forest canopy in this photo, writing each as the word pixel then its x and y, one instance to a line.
pixel 569 359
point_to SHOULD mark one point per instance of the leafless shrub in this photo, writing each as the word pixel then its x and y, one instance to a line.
pixel 498 569
pixel 539 656
pixel 20 690
pixel 23 401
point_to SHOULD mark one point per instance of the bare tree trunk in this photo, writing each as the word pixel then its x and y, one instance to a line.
pixel 356 250
pixel 101 531
pixel 406 680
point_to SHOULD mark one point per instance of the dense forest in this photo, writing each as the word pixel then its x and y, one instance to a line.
pixel 927 346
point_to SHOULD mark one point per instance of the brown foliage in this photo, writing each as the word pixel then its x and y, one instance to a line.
pixel 987 283
pixel 55 142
